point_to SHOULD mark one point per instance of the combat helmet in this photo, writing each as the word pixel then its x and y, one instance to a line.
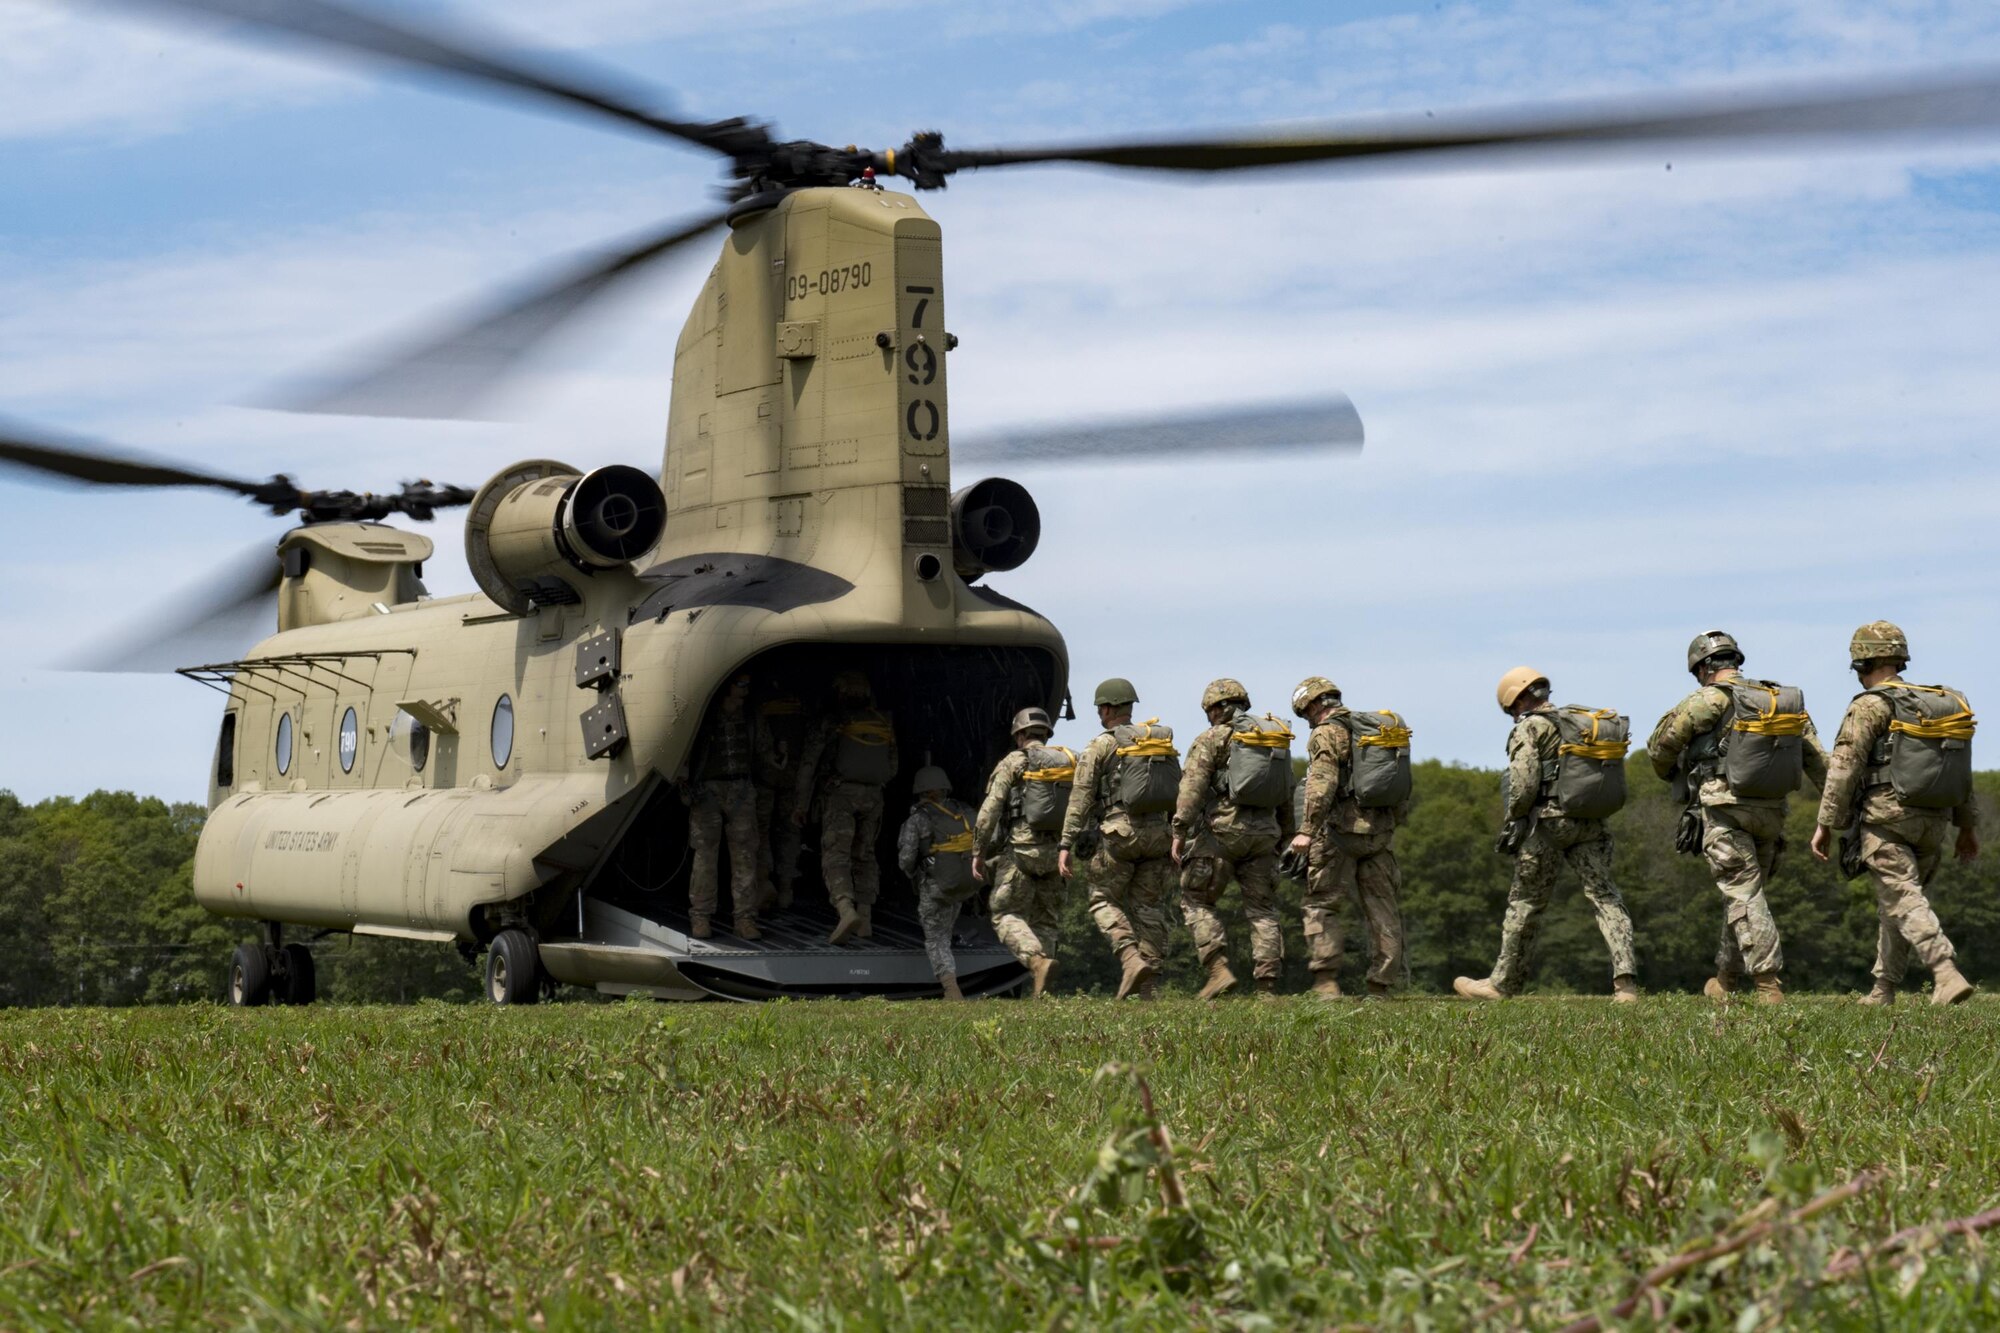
pixel 931 778
pixel 1115 693
pixel 1712 643
pixel 1310 689
pixel 1030 718
pixel 1878 639
pixel 1222 691
pixel 1515 682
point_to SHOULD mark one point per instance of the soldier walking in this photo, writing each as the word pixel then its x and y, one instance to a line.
pixel 1345 834
pixel 1233 811
pixel 1735 750
pixel 721 802
pixel 850 755
pixel 1565 776
pixel 1020 823
pixel 1127 780
pixel 934 851
pixel 1900 774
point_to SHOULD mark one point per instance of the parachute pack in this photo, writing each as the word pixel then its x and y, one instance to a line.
pixel 1045 787
pixel 1257 773
pixel 865 750
pixel 950 847
pixel 1926 755
pixel 1378 776
pixel 1147 778
pixel 1761 747
pixel 1586 779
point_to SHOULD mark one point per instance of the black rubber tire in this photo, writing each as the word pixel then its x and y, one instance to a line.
pixel 513 969
pixel 249 976
pixel 301 981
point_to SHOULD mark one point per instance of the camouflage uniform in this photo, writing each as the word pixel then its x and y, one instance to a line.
pixel 1742 836
pixel 1132 871
pixel 1027 890
pixel 850 812
pixel 1584 843
pixel 782 718
pixel 1900 846
pixel 1350 856
pixel 931 823
pixel 1224 842
pixel 723 803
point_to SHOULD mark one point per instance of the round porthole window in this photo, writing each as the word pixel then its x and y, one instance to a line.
pixel 415 739
pixel 503 732
pixel 284 743
pixel 350 740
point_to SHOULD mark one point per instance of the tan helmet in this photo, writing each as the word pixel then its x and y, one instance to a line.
pixel 1311 689
pixel 1708 644
pixel 852 685
pixel 1222 691
pixel 1514 682
pixel 1116 693
pixel 931 778
pixel 1878 638
pixel 1028 719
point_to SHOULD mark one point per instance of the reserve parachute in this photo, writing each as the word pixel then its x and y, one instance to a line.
pixel 1926 755
pixel 1586 779
pixel 1761 746
pixel 1045 787
pixel 1378 775
pixel 866 750
pixel 1257 773
pixel 1147 780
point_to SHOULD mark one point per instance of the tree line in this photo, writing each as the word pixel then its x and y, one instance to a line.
pixel 97 908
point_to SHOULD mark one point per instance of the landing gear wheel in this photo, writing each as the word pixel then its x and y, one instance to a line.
pixel 513 969
pixel 249 976
pixel 301 983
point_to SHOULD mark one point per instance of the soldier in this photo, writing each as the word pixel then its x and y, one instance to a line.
pixel 782 715
pixel 1233 812
pixel 849 756
pixel 1015 830
pixel 1127 780
pixel 1541 837
pixel 935 853
pixel 1347 846
pixel 1736 749
pixel 721 801
pixel 1901 771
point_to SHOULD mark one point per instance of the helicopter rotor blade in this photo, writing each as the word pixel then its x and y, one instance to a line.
pixel 458 49
pixel 1329 425
pixel 1960 100
pixel 213 622
pixel 447 370
pixel 63 459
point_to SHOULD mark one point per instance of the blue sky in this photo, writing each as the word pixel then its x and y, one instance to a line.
pixel 1609 404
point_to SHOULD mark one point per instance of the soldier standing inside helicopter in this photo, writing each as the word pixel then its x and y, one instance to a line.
pixel 1900 775
pixel 1127 780
pixel 1233 812
pixel 1020 822
pixel 851 755
pixel 782 715
pixel 934 851
pixel 722 802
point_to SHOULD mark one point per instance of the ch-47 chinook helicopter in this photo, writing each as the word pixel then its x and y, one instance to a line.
pixel 498 769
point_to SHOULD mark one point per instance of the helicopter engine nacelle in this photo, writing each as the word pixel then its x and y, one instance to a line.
pixel 994 526
pixel 539 530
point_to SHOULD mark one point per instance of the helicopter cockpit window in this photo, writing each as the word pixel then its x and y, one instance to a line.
pixel 350 740
pixel 225 753
pixel 503 732
pixel 413 738
pixel 284 743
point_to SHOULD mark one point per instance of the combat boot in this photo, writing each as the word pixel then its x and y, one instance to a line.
pixel 1769 989
pixel 1624 990
pixel 1881 994
pixel 1482 989
pixel 1326 986
pixel 746 928
pixel 949 983
pixel 698 927
pixel 1267 988
pixel 1136 972
pixel 1721 986
pixel 1381 990
pixel 1220 978
pixel 866 930
pixel 1948 984
pixel 1149 989
pixel 1041 967
pixel 784 897
pixel 850 921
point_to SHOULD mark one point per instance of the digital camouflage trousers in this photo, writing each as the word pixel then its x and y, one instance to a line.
pixel 1741 844
pixel 1900 858
pixel 718 811
pixel 1027 895
pixel 938 911
pixel 1249 860
pixel 850 816
pixel 1586 845
pixel 1131 883
pixel 1361 867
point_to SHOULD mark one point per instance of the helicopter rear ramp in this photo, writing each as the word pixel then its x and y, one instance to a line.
pixel 622 952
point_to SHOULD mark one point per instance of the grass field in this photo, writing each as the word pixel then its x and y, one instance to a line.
pixel 868 1165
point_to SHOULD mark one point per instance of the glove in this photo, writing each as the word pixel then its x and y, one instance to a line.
pixel 1688 832
pixel 1512 834
pixel 1292 865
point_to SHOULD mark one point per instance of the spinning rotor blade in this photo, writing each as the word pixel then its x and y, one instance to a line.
pixel 230 609
pixel 1967 100
pixel 1330 425
pixel 445 372
pixel 63 460
pixel 460 50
